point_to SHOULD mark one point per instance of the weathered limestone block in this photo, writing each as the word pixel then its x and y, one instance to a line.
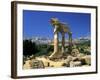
pixel 27 64
pixel 36 64
pixel 67 61
pixel 87 59
pixel 75 52
pixel 69 58
pixel 80 55
pixel 45 61
pixel 75 64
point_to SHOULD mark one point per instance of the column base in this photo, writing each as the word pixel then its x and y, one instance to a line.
pixel 56 55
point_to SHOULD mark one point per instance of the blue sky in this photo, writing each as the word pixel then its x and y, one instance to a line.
pixel 37 23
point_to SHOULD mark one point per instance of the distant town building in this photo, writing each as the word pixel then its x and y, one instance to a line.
pixel 45 40
pixel 41 40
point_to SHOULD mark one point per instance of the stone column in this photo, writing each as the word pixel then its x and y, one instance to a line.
pixel 63 42
pixel 70 42
pixel 56 43
pixel 70 39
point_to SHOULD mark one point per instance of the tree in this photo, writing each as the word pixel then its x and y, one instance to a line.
pixel 29 48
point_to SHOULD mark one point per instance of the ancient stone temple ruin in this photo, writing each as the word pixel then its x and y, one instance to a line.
pixel 61 57
pixel 61 28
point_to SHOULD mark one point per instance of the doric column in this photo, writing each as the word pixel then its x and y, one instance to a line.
pixel 56 41
pixel 63 42
pixel 70 38
pixel 70 41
